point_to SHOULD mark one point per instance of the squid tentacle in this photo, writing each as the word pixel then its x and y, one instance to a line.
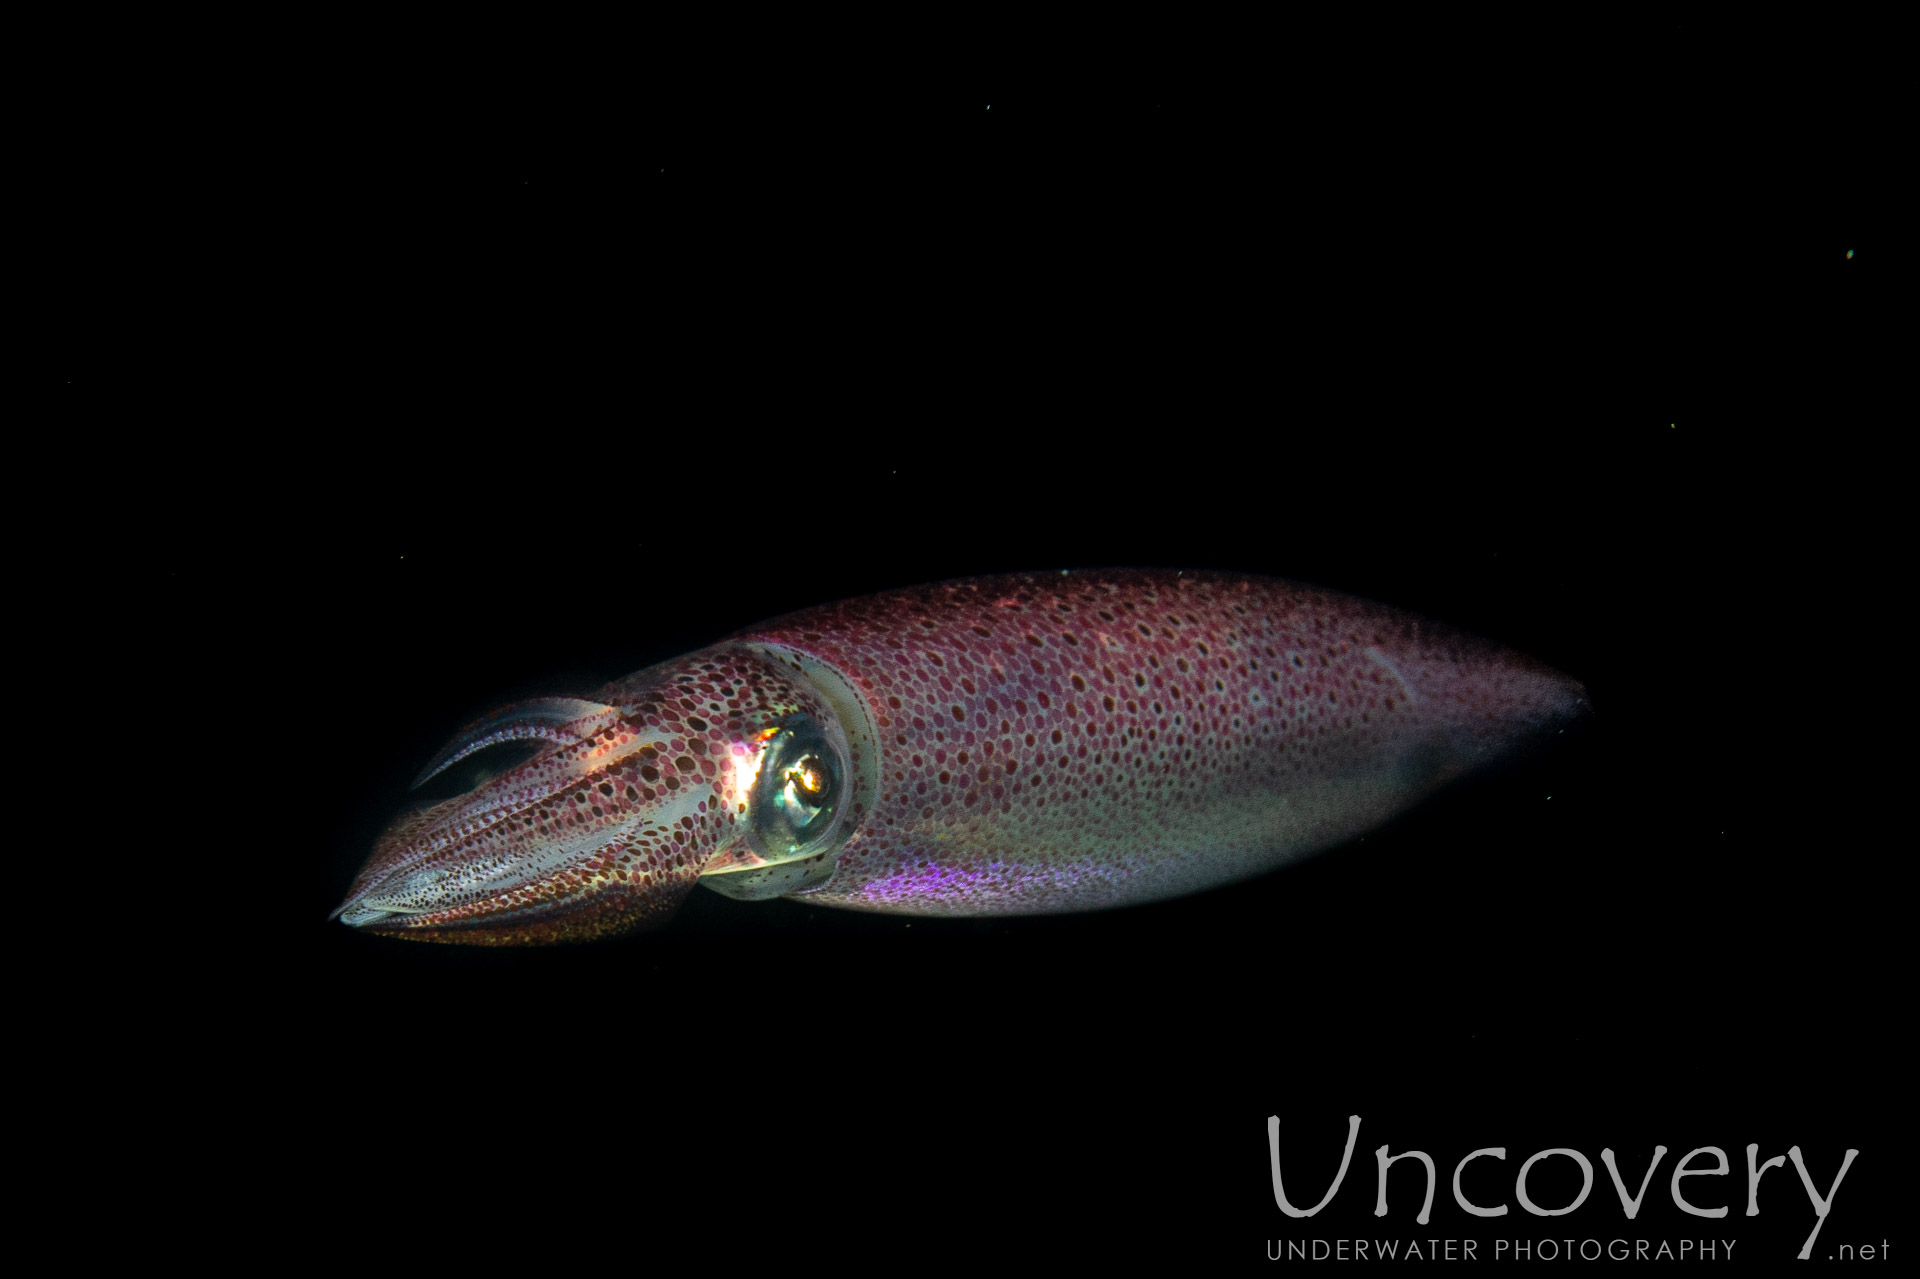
pixel 545 719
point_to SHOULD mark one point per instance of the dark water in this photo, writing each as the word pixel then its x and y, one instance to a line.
pixel 1452 358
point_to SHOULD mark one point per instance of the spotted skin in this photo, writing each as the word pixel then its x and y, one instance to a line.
pixel 603 832
pixel 1024 744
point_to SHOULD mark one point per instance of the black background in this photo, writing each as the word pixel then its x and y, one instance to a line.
pixel 1551 338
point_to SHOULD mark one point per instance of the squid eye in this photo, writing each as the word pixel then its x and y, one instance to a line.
pixel 810 782
pixel 796 799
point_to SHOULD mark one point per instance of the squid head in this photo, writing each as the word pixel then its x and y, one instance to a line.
pixel 745 766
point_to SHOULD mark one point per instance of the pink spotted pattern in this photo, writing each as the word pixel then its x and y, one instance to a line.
pixel 1068 742
pixel 1020 744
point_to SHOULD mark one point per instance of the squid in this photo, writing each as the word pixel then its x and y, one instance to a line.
pixel 1011 745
